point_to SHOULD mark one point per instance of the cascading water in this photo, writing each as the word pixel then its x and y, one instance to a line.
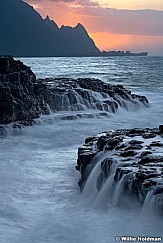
pixel 111 191
pixel 90 189
pixel 40 199
pixel 119 190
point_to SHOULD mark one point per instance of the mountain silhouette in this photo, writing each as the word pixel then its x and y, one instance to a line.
pixel 25 33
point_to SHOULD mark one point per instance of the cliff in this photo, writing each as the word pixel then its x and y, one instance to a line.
pixel 23 98
pixel 122 167
pixel 25 33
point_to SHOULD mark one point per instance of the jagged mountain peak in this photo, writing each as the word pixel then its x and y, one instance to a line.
pixel 51 23
pixel 47 18
pixel 25 33
pixel 79 26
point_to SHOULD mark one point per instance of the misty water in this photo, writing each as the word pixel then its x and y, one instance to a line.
pixel 40 201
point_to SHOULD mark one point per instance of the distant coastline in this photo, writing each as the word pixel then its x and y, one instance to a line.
pixel 123 53
pixel 101 54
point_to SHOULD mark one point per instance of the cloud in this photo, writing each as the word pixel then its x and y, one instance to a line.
pixel 74 2
pixel 133 22
pixel 107 22
pixel 135 43
pixel 99 19
pixel 63 12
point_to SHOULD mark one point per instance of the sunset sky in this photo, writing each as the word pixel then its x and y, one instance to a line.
pixel 135 25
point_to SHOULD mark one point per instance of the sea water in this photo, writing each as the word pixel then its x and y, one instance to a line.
pixel 40 201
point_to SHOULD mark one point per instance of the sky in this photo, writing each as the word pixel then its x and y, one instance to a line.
pixel 135 25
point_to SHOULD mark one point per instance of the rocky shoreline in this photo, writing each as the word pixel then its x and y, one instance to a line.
pixel 23 97
pixel 134 160
pixel 132 157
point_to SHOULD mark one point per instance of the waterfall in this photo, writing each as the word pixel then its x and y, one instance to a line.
pixel 84 99
pixel 153 201
pixel 11 129
pixel 120 190
pixel 90 190
pixel 110 184
pixel 111 190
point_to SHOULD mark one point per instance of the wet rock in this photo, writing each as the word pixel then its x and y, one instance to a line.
pixel 2 131
pixel 121 146
pixel 90 139
pixel 120 172
pixel 156 144
pixel 148 135
pixel 17 97
pixel 150 159
pixel 106 166
pixel 136 131
pixel 145 153
pixel 135 142
pixel 22 97
pixel 161 129
pixel 85 157
pixel 102 141
pixel 134 147
pixel 112 104
pixel 129 153
pixel 71 94
pixel 68 117
pixel 113 142
pixel 128 161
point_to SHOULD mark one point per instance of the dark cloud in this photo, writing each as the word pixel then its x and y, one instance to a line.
pixel 133 22
pixel 99 19
pixel 75 2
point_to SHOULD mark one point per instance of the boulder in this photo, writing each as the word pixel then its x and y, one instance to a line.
pixel 23 97
pixel 18 99
pixel 136 168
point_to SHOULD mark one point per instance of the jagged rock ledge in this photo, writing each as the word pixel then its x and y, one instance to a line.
pixel 132 157
pixel 23 98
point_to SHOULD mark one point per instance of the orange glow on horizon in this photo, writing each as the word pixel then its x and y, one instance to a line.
pixel 106 41
pixel 109 42
pixel 110 30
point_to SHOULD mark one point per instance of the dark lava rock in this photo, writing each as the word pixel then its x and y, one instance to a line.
pixel 149 135
pixel 22 97
pixel 145 153
pixel 113 142
pixel 135 142
pixel 139 171
pixel 18 98
pixel 161 129
pixel 128 153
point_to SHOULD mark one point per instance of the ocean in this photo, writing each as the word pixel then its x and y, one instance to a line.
pixel 40 201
